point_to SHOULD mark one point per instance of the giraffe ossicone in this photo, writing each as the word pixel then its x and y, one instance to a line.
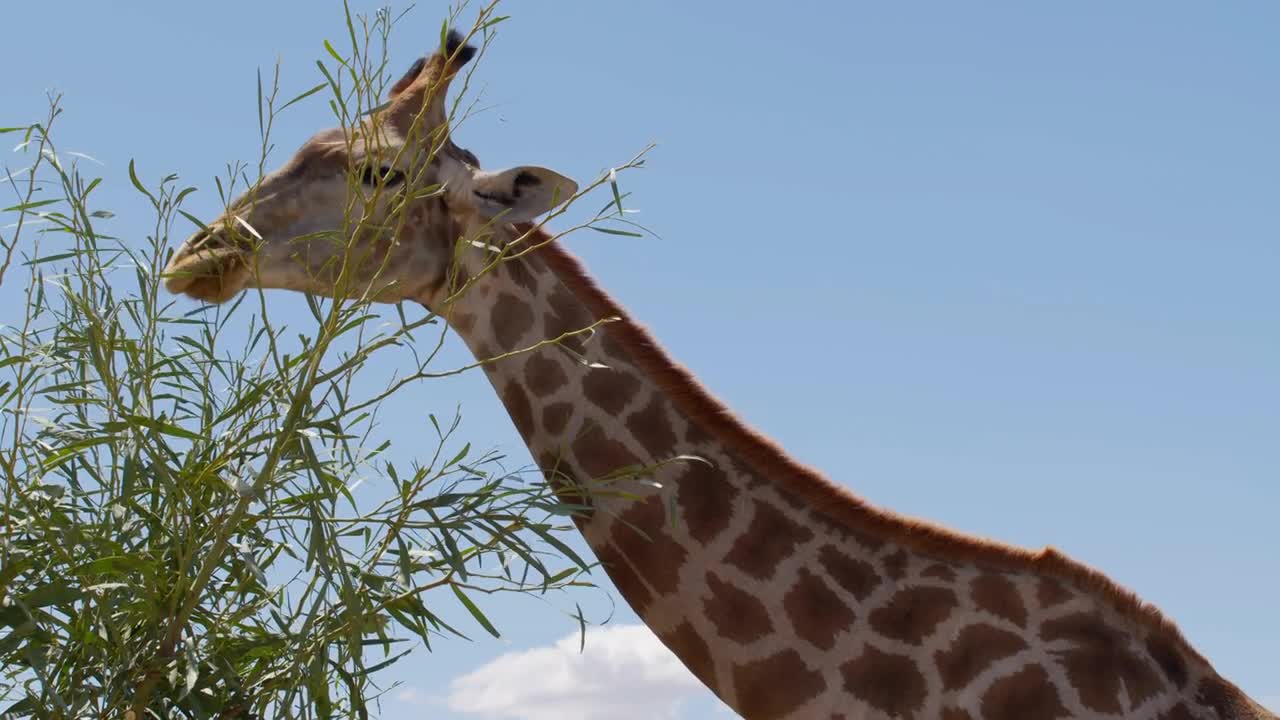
pixel 787 595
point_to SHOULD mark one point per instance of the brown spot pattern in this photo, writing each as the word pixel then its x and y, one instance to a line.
pixel 974 649
pixel 771 537
pixel 652 428
pixel 462 322
pixel 1023 695
pixel 1169 659
pixel 598 454
pixel 692 650
pixel 913 613
pixel 555 417
pixel 999 596
pixel 705 499
pixel 794 501
pixel 516 401
pixel 955 714
pixel 612 347
pixel 871 542
pixel 511 320
pixel 843 532
pixel 1177 712
pixel 1050 593
pixel 520 273
pixel 1214 693
pixel 1098 661
pixel 939 571
pixel 775 686
pixel 624 577
pixel 562 483
pixel 895 564
pixel 815 611
pixel 737 614
pixel 609 389
pixel 890 683
pixel 856 576
pixel 567 315
pixel 695 434
pixel 542 374
pixel 640 534
pixel 751 479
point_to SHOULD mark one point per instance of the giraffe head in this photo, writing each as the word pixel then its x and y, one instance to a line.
pixel 376 209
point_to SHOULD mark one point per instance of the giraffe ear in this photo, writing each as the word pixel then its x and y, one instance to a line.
pixel 520 194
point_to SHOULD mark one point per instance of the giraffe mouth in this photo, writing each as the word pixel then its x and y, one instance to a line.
pixel 205 269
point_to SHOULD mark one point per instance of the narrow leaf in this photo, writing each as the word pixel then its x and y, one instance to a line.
pixel 164 427
pixel 304 95
pixel 612 231
pixel 475 611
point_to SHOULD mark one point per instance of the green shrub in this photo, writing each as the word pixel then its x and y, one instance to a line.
pixel 180 537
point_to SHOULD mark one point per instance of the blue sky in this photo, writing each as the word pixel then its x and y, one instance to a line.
pixel 1012 267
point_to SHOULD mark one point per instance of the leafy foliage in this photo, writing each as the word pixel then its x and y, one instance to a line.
pixel 181 537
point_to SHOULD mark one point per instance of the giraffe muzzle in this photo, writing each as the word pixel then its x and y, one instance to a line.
pixel 208 266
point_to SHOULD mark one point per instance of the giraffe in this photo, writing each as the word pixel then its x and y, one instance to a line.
pixel 784 593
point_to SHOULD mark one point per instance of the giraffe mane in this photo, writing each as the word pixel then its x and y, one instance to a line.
pixel 837 503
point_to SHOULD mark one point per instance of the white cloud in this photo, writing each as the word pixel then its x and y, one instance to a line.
pixel 624 673
pixel 412 696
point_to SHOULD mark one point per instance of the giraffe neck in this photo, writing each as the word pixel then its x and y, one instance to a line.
pixel 784 595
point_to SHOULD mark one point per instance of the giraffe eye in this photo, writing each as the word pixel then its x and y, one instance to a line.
pixel 372 176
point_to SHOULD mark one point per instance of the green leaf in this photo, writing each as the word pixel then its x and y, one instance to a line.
pixel 24 207
pixel 556 543
pixel 58 593
pixel 177 200
pixel 617 194
pixel 23 706
pixel 458 458
pixel 582 628
pixel 194 220
pixel 613 231
pixel 133 178
pixel 562 575
pixel 304 95
pixel 334 53
pixel 475 611
pixel 50 258
pixel 378 108
pixel 164 427
pixel 385 663
pixel 14 617
pixel 112 564
pixel 63 453
pixel 11 570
